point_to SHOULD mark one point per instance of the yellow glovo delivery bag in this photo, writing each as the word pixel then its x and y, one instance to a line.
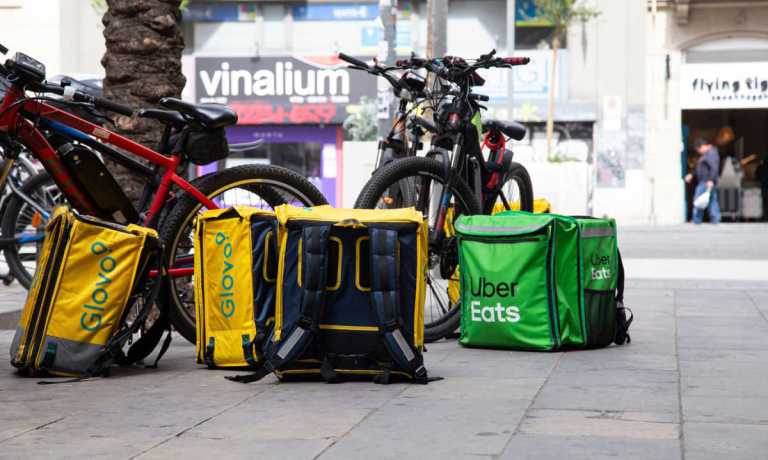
pixel 89 274
pixel 349 296
pixel 235 270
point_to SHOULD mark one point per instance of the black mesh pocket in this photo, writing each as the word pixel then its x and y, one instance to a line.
pixel 601 317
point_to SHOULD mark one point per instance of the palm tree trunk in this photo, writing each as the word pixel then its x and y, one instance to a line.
pixel 552 92
pixel 143 64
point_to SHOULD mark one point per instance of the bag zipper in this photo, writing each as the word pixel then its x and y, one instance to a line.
pixel 551 296
pixel 44 301
pixel 506 240
pixel 394 223
pixel 201 332
pixel 55 233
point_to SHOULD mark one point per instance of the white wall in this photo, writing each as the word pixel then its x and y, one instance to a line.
pixel 65 35
pixel 564 185
pixel 359 163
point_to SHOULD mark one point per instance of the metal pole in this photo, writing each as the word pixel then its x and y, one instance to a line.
pixel 511 8
pixel 385 99
pixel 439 38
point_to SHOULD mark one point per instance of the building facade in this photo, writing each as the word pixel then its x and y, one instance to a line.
pixel 706 76
pixel 635 86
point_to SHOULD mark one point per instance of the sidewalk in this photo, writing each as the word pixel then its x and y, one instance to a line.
pixel 691 385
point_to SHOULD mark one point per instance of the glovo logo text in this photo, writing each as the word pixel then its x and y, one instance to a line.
pixel 92 317
pixel 490 313
pixel 227 303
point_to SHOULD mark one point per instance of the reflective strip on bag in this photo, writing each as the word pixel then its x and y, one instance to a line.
pixel 593 232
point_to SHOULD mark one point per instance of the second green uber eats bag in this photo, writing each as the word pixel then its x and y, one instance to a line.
pixel 235 270
pixel 350 296
pixel 540 282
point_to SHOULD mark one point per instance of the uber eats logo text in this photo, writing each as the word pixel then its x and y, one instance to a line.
pixel 493 313
pixel 91 319
pixel 600 264
pixel 227 284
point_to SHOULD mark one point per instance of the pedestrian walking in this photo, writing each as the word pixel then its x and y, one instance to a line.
pixel 761 173
pixel 706 173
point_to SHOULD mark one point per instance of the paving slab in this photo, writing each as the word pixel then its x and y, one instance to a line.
pixel 538 447
pixel 715 441
pixel 690 385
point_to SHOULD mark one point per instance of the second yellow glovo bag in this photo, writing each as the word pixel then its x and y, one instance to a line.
pixel 235 269
pixel 89 274
pixel 350 296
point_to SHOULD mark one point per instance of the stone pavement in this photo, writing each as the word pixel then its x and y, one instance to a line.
pixel 690 386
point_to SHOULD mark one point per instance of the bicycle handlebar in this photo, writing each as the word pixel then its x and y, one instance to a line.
pixel 516 60
pixel 439 67
pixel 353 61
pixel 111 106
pixel 78 96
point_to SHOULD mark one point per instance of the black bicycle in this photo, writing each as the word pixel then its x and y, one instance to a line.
pixel 454 177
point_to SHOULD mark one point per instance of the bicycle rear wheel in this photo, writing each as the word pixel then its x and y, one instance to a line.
pixel 425 179
pixel 259 186
pixel 515 194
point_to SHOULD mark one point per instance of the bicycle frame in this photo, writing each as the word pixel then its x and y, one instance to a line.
pixel 21 118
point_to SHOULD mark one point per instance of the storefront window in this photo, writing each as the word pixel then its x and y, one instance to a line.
pixel 303 158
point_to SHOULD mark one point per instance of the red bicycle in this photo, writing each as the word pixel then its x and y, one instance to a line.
pixel 70 147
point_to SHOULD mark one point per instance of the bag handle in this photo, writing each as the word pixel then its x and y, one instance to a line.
pixel 385 299
pixel 314 267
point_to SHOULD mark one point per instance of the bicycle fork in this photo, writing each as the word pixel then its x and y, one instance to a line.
pixel 445 195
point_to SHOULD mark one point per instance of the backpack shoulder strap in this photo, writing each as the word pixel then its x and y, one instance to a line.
pixel 151 337
pixel 385 297
pixel 622 320
pixel 314 274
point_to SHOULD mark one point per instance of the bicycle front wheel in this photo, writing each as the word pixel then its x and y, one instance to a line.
pixel 259 186
pixel 25 224
pixel 426 180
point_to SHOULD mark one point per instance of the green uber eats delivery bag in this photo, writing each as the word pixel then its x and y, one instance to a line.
pixel 350 296
pixel 235 272
pixel 89 275
pixel 540 282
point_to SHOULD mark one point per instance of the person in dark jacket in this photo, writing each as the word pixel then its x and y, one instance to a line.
pixel 761 173
pixel 706 173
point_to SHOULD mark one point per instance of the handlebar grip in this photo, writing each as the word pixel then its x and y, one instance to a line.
pixel 351 60
pixel 480 97
pixel 56 89
pixel 517 60
pixel 113 106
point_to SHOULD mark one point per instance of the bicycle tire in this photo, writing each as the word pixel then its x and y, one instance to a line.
pixel 277 182
pixel 384 179
pixel 519 175
pixel 11 215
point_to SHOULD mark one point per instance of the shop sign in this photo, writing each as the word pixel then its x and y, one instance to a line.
pixel 336 12
pixel 283 90
pixel 219 12
pixel 526 14
pixel 724 86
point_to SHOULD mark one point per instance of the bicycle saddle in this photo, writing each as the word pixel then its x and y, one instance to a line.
pixel 511 128
pixel 209 115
